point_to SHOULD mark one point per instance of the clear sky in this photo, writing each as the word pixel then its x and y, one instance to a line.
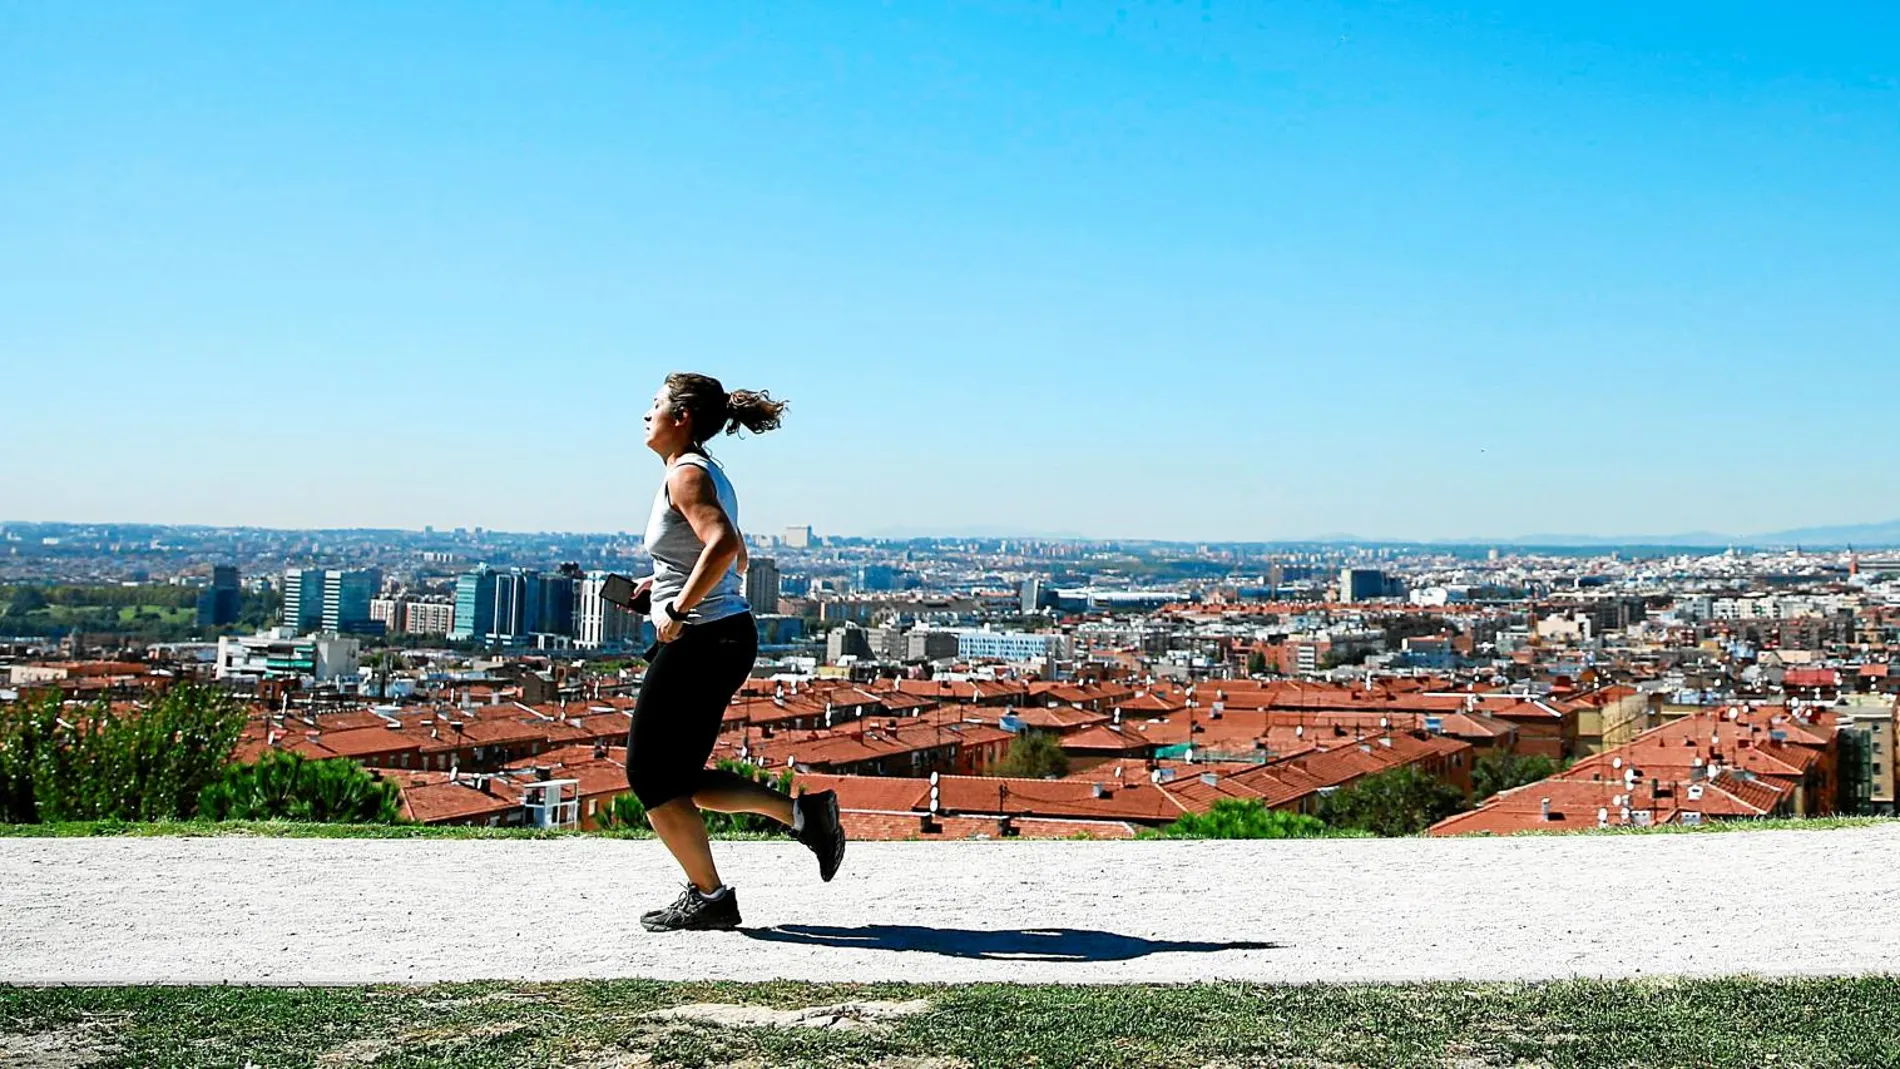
pixel 1171 270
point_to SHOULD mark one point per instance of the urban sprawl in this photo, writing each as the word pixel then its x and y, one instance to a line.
pixel 483 673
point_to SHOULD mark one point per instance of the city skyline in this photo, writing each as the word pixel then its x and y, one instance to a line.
pixel 1869 535
pixel 1206 272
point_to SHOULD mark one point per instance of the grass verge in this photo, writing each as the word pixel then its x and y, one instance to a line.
pixel 285 829
pixel 290 829
pixel 605 1025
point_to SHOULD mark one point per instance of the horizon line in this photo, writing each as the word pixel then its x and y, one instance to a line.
pixel 1688 540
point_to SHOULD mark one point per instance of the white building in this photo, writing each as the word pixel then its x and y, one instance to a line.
pixel 1011 645
pixel 281 654
pixel 599 623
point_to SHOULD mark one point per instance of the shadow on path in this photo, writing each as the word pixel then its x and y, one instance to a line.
pixel 1028 944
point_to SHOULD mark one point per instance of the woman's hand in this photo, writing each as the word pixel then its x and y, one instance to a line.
pixel 665 626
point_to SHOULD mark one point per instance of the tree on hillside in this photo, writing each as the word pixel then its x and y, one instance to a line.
pixel 1502 771
pixel 1401 801
pixel 26 599
pixel 1242 818
pixel 1398 627
pixel 1033 755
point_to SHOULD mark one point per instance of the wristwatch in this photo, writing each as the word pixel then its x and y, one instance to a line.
pixel 672 611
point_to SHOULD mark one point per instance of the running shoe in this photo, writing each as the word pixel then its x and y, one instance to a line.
pixel 693 911
pixel 815 823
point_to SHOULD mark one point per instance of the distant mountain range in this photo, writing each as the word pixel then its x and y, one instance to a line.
pixel 974 531
pixel 1871 535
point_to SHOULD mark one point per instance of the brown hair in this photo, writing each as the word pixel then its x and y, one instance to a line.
pixel 712 408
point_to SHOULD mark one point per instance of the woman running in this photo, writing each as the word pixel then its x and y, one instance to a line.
pixel 707 643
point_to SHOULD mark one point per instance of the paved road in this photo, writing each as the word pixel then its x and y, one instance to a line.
pixel 346 911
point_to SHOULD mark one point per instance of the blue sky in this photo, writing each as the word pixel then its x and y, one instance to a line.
pixel 1172 270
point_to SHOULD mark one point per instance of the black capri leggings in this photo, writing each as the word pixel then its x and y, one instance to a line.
pixel 689 684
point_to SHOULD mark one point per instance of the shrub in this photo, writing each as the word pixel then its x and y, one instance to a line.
pixel 98 763
pixel 288 786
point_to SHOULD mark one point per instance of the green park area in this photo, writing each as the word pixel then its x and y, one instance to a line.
pixel 155 612
pixel 1740 1022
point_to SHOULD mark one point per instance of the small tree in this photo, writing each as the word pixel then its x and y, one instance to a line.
pixel 1401 801
pixel 287 786
pixel 624 813
pixel 1243 818
pixel 1033 755
pixel 1502 771
pixel 1256 663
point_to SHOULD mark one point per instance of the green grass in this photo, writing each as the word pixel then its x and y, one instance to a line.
pixel 289 829
pixel 284 829
pixel 67 615
pixel 1741 1022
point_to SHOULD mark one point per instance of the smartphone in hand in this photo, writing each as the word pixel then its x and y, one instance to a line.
pixel 624 592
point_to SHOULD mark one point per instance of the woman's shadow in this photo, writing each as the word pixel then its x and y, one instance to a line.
pixel 1027 944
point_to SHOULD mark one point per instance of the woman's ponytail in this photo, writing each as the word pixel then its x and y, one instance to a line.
pixel 712 408
pixel 754 410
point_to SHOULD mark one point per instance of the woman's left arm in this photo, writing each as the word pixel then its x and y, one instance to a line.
pixel 692 492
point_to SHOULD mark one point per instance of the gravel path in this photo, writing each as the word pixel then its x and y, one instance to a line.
pixel 349 911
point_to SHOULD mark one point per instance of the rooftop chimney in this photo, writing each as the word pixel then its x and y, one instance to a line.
pixel 1544 809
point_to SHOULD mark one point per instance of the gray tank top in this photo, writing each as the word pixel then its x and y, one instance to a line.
pixel 675 548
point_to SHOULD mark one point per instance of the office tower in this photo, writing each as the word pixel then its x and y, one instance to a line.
pixel 474 605
pixel 218 605
pixel 303 599
pixel 1360 584
pixel 761 584
pixel 510 617
pixel 346 598
pixel 1031 594
pixel 798 537
pixel 548 603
